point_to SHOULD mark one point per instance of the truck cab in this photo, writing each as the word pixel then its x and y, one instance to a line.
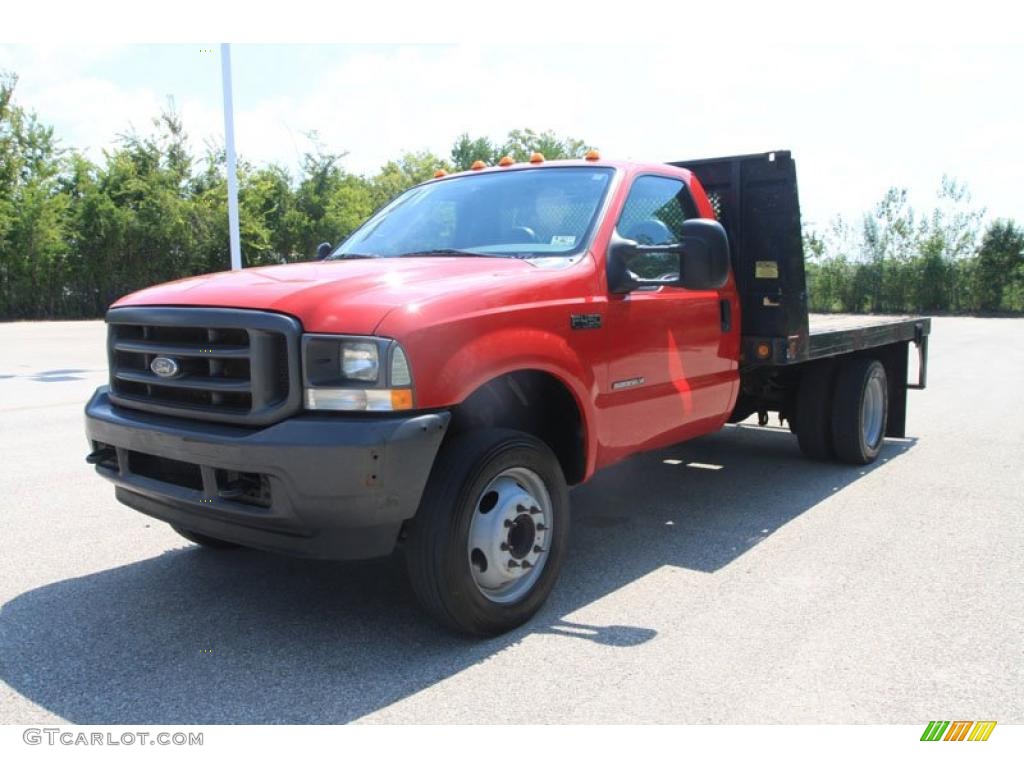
pixel 487 340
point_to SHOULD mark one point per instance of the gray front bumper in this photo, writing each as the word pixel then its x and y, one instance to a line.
pixel 341 486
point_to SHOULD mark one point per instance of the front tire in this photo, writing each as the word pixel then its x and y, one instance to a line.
pixel 485 548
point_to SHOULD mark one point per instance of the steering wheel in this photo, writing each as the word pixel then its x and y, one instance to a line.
pixel 525 232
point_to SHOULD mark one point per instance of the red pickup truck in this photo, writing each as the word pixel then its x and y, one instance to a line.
pixel 487 340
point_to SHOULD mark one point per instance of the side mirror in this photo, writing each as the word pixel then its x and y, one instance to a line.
pixel 700 262
pixel 323 251
pixel 705 256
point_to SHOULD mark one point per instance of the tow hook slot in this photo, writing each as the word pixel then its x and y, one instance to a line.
pixel 243 487
pixel 233 490
pixel 103 455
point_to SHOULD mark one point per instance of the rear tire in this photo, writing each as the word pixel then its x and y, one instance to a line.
pixel 812 422
pixel 468 524
pixel 205 541
pixel 860 410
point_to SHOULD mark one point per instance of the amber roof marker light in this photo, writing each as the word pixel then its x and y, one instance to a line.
pixel 592 155
pixel 536 157
pixel 506 161
pixel 478 165
pixel 440 172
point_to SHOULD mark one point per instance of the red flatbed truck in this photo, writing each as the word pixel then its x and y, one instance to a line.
pixel 482 343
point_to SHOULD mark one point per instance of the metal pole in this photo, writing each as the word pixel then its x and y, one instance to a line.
pixel 229 146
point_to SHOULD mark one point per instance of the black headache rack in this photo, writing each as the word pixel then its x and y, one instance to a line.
pixel 755 198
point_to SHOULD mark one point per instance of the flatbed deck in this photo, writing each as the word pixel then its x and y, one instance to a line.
pixel 830 335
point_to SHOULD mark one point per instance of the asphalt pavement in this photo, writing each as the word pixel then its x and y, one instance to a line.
pixel 755 587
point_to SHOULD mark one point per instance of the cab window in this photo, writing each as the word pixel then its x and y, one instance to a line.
pixel 653 214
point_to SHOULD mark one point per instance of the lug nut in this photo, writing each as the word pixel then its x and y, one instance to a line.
pixel 508 523
pixel 538 549
pixel 504 546
pixel 527 564
pixel 520 508
pixel 535 511
pixel 541 527
pixel 513 564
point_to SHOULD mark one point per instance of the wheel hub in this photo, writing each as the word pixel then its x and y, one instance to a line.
pixel 509 535
pixel 521 536
pixel 873 412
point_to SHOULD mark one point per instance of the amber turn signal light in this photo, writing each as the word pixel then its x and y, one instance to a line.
pixel 401 399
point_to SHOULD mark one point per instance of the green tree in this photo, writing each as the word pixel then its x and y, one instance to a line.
pixel 398 175
pixel 33 207
pixel 897 261
pixel 996 282
pixel 75 235
pixel 466 151
pixel 521 143
pixel 328 202
pixel 947 237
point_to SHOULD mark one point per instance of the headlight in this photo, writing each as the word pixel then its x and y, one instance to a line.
pixel 355 373
pixel 360 360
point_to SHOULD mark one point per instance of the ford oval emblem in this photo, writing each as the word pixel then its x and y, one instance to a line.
pixel 165 367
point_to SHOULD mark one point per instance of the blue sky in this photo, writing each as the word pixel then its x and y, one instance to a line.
pixel 858 117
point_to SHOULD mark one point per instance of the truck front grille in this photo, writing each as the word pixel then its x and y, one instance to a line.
pixel 232 366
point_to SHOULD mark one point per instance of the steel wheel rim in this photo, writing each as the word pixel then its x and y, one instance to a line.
pixel 873 412
pixel 510 535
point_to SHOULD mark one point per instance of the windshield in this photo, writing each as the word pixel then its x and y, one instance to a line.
pixel 521 214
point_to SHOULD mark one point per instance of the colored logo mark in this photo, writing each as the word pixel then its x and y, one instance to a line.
pixel 958 730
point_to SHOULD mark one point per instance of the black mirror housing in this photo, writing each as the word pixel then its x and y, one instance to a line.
pixel 705 255
pixel 323 251
pixel 704 259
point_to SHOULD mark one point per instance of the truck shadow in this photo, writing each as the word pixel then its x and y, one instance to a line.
pixel 196 636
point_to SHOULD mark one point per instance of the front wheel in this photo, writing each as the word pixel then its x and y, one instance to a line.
pixel 488 541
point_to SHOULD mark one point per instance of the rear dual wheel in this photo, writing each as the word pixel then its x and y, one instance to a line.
pixel 842 410
pixel 860 411
pixel 813 420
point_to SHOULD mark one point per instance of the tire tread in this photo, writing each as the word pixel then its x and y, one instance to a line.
pixel 431 535
pixel 813 422
pixel 846 411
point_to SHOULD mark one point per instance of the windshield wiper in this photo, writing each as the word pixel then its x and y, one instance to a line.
pixel 450 252
pixel 341 256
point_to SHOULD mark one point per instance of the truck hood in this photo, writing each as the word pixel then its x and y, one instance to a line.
pixel 339 296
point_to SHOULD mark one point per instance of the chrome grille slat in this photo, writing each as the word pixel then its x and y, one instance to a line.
pixel 236 366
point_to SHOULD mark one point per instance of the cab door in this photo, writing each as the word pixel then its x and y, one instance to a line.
pixel 669 377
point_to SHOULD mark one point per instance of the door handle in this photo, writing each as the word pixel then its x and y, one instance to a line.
pixel 725 315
